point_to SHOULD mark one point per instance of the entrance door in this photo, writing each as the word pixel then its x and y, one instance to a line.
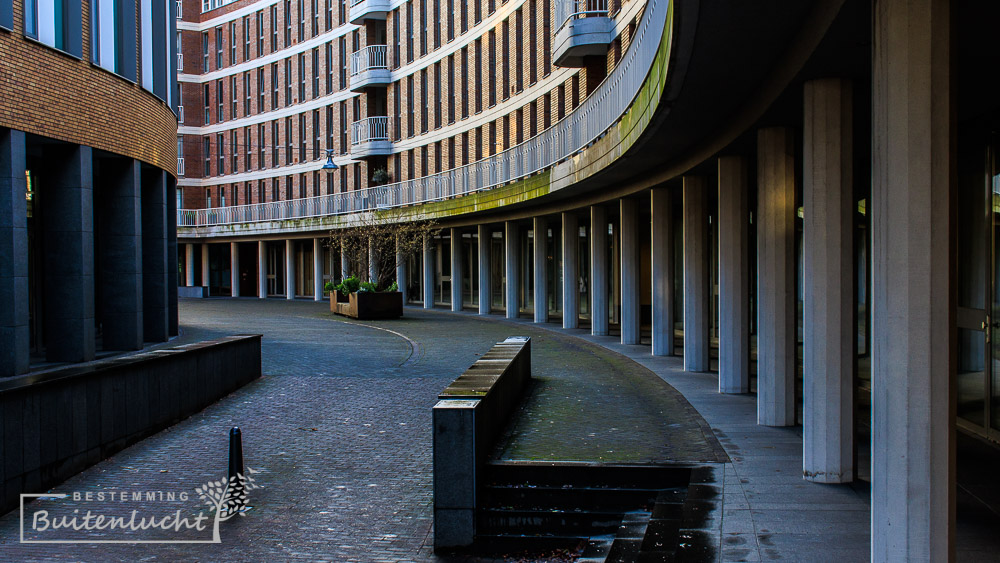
pixel 978 315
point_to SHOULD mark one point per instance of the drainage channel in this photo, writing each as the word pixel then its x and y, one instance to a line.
pixel 589 512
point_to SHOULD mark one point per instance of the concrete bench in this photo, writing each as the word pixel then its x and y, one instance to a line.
pixel 468 418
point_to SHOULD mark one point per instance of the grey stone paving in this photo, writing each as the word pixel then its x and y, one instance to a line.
pixel 339 427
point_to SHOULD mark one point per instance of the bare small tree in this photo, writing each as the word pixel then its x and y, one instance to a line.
pixel 376 243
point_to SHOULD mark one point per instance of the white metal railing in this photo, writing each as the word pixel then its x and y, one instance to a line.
pixel 372 56
pixel 180 8
pixel 370 129
pixel 592 119
pixel 566 10
pixel 180 114
pixel 180 62
pixel 180 165
pixel 356 2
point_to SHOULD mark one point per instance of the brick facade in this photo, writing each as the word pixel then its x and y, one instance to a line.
pixel 47 92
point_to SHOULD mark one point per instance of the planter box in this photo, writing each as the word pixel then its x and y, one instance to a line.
pixel 370 306
pixel 336 298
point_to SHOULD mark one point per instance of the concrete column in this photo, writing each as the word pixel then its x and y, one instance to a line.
pixel 156 271
pixel 317 269
pixel 234 269
pixel 571 270
pixel 540 229
pixel 598 271
pixel 485 275
pixel 120 246
pixel 189 264
pixel 776 277
pixel 734 276
pixel 510 261
pixel 697 344
pixel 631 318
pixel 171 234
pixel 662 249
pixel 913 358
pixel 401 265
pixel 289 269
pixel 828 283
pixel 428 273
pixel 456 270
pixel 261 269
pixel 205 279
pixel 15 337
pixel 69 255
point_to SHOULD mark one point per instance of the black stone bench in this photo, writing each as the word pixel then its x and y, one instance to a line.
pixel 468 418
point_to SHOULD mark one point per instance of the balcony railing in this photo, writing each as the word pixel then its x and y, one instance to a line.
pixel 180 114
pixel 573 133
pixel 180 8
pixel 180 166
pixel 180 62
pixel 371 57
pixel 370 129
pixel 566 10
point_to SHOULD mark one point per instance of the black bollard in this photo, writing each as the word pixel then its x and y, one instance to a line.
pixel 236 472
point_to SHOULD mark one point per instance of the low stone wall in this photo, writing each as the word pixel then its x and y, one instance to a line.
pixel 469 416
pixel 57 423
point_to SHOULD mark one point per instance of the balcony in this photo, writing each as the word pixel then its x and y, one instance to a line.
pixel 369 68
pixel 180 63
pixel 362 10
pixel 180 114
pixel 585 30
pixel 180 9
pixel 370 137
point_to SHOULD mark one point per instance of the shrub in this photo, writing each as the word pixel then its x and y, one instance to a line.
pixel 350 285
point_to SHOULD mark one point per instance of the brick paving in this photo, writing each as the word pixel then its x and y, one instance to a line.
pixel 339 426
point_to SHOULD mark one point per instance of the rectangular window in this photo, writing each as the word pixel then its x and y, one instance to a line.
pixel 59 24
pixel 315 69
pixel 302 19
pixel 235 102
pixel 451 89
pixel 410 128
pixel 397 119
pixel 274 28
pixel 463 23
pixel 7 17
pixel 342 12
pixel 532 44
pixel 220 104
pixel 247 94
pixel 288 82
pixel 262 151
pixel 218 48
pixel 260 191
pixel 546 39
pixel 450 9
pixel 493 67
pixel 424 102
pixel 437 96
pixel 262 90
pixel 329 15
pixel 357 176
pixel 208 105
pixel 302 137
pixel 518 51
pixel 329 128
pixel 248 148
pixel 477 11
pixel 343 180
pixel 274 86
pixel 409 32
pixel 259 18
pixel 288 23
pixel 288 187
pixel 317 135
pixel 204 51
pixel 246 38
pixel 491 6
pixel 396 23
pixel 436 16
pixel 315 19
pixel 342 50
pixel 302 77
pixel 208 198
pixel 464 84
pixel 505 50
pixel 234 152
pixel 343 128
pixel 275 146
pixel 423 28
pixel 329 67
pixel 246 194
pixel 232 43
pixel 220 144
pixel 478 74
pixel 206 150
pixel 289 141
pixel 329 183
pixel 275 190
pixel 302 186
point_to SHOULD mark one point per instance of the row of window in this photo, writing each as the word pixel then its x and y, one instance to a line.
pixel 278 189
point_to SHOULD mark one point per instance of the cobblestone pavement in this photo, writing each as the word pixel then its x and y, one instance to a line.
pixel 339 428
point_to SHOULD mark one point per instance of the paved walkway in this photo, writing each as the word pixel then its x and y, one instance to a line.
pixel 339 427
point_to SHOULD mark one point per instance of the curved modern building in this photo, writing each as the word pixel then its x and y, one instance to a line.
pixel 87 209
pixel 797 195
